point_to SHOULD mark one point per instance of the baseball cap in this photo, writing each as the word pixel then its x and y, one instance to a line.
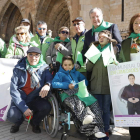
pixel 78 18
pixel 34 50
pixel 25 20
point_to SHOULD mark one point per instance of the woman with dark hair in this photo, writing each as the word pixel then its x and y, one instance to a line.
pixel 130 52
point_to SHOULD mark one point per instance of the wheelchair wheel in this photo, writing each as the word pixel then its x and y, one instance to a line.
pixel 51 121
pixel 64 136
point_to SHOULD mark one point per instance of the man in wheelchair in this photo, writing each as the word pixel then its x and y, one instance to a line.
pixel 88 114
pixel 30 83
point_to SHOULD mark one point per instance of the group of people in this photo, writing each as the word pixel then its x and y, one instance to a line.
pixel 31 81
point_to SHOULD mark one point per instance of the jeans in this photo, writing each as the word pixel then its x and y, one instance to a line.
pixel 104 103
pixel 40 106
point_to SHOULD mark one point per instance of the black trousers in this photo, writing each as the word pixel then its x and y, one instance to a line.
pixel 134 133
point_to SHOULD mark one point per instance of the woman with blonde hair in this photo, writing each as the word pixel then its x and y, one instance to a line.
pixel 20 45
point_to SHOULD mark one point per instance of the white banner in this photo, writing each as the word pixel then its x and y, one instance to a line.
pixel 124 82
pixel 6 72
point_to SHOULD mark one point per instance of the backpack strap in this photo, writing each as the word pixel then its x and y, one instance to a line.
pixel 15 49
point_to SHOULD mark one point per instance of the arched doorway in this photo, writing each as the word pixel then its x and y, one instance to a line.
pixel 54 13
pixel 9 21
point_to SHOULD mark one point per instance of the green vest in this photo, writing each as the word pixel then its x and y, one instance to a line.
pixel 78 47
pixel 44 46
pixel 3 48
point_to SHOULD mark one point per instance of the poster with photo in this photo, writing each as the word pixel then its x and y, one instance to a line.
pixel 6 72
pixel 124 80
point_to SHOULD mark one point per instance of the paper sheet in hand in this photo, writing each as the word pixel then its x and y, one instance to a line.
pixel 107 56
pixel 93 54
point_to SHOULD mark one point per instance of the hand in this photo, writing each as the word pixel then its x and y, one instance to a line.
pixel 28 112
pixel 58 45
pixel 133 101
pixel 136 100
pixel 77 66
pixel 115 62
pixel 71 86
pixel 44 91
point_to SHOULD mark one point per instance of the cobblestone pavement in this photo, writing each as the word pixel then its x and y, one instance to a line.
pixel 118 133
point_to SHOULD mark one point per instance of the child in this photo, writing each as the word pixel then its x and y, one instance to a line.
pixel 99 77
pixel 66 79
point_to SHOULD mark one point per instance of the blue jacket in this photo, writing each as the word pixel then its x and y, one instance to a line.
pixel 63 78
pixel 19 79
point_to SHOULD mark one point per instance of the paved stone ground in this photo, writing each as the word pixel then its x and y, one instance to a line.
pixel 118 133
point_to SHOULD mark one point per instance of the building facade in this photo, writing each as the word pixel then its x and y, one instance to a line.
pixel 57 13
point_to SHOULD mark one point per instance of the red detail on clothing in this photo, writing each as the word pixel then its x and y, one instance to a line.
pixel 27 88
pixel 107 134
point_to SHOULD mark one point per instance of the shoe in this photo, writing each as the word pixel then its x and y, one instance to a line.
pixel 35 128
pixel 105 138
pixel 100 135
pixel 14 128
pixel 88 119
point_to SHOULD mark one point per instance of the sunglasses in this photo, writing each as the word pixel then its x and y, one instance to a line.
pixel 64 32
pixel 20 33
pixel 41 28
pixel 76 24
pixel 31 55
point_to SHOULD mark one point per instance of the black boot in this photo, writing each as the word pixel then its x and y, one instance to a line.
pixel 92 137
pixel 35 128
pixel 14 128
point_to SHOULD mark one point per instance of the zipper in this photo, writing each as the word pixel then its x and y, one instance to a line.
pixel 71 77
pixel 75 49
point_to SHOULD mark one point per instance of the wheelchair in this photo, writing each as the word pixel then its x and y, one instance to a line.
pixel 55 119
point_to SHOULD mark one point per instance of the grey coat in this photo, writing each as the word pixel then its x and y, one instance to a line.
pixel 99 83
pixel 51 52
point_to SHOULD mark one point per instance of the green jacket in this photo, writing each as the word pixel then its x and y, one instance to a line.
pixel 44 46
pixel 125 50
pixel 99 83
pixel 78 47
pixel 3 49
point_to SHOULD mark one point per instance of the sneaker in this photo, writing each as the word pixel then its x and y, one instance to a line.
pixel 100 135
pixel 14 128
pixel 88 119
pixel 35 128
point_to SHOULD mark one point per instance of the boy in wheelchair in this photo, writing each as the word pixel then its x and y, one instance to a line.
pixel 89 116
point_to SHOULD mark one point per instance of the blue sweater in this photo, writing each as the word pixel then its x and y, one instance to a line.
pixel 19 79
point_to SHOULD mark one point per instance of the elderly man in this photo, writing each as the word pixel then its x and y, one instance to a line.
pixel 77 41
pixel 41 38
pixel 99 24
pixel 30 83
pixel 24 22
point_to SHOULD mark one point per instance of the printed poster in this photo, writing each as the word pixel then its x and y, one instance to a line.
pixel 124 82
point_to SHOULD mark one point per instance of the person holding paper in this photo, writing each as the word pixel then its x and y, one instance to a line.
pixel 60 45
pixel 77 43
pixel 131 94
pixel 130 52
pixel 83 104
pixel 98 25
pixel 30 83
pixel 99 57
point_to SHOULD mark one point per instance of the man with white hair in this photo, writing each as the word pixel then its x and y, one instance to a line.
pixel 98 24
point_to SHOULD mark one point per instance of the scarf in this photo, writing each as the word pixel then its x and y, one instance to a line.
pixel 32 69
pixel 57 39
pixel 24 44
pixel 134 35
pixel 102 49
pixel 104 25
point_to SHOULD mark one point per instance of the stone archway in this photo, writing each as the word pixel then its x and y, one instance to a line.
pixel 55 13
pixel 10 19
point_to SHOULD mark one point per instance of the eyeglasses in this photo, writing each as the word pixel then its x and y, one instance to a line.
pixel 31 55
pixel 76 23
pixel 20 33
pixel 41 28
pixel 64 32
